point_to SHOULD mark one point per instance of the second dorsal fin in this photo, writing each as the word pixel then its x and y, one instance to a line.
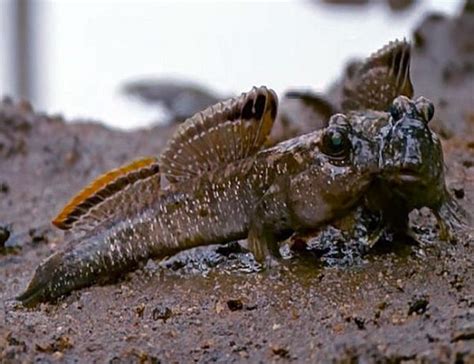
pixel 377 81
pixel 221 134
pixel 103 197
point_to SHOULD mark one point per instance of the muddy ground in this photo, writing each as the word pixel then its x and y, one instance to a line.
pixel 402 303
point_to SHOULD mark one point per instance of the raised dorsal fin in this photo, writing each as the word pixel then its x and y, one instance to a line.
pixel 221 134
pixel 377 81
pixel 107 195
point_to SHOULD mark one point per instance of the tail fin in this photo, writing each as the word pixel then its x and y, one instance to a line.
pixel 41 286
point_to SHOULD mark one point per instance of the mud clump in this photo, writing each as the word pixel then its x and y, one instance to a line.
pixel 161 313
pixel 235 305
pixel 418 305
pixel 4 235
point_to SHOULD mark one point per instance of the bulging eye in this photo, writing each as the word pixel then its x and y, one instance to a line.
pixel 336 142
pixel 401 105
pixel 425 108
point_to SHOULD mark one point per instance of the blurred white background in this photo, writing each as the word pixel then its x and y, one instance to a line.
pixel 79 53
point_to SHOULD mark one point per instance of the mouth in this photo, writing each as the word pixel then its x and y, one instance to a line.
pixel 405 175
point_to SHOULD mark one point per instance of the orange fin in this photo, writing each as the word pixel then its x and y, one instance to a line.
pixel 221 134
pixel 378 80
pixel 103 189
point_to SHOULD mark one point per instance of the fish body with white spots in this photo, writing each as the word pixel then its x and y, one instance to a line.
pixel 222 185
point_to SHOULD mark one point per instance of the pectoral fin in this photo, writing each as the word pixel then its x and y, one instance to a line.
pixel 262 242
pixel 269 221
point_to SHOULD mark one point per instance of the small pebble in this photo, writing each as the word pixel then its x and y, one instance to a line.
pixel 459 193
pixel 418 305
pixel 360 322
pixel 4 235
pixel 161 313
pixel 140 309
pixel 4 187
pixel 281 352
pixel 235 305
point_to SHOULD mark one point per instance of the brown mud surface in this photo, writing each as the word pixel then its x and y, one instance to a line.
pixel 403 303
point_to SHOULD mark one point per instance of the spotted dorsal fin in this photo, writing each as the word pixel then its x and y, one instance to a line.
pixel 110 194
pixel 374 83
pixel 221 134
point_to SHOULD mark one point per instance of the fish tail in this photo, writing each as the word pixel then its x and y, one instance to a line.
pixel 96 259
pixel 46 282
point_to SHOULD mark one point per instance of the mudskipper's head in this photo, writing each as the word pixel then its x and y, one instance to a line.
pixel 412 164
pixel 412 156
pixel 349 150
pixel 344 163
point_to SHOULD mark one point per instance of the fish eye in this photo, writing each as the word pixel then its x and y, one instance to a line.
pixel 336 142
pixel 425 108
pixel 401 105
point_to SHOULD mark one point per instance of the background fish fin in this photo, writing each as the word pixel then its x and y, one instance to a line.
pixel 314 102
pixel 109 195
pixel 301 112
pixel 377 81
pixel 219 135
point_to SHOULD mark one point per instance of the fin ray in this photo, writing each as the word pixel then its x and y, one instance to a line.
pixel 377 81
pixel 93 204
pixel 221 134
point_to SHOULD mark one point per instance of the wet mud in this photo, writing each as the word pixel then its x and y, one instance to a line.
pixel 399 302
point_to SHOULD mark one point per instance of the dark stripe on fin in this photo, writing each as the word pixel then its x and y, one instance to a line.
pixel 383 76
pixel 103 188
pixel 219 135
